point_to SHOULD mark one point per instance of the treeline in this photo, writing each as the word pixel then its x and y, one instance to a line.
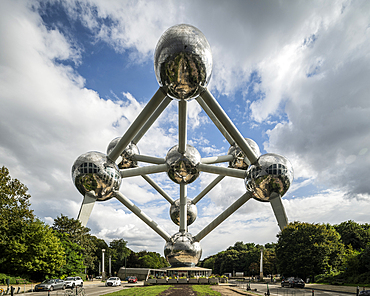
pixel 33 250
pixel 321 252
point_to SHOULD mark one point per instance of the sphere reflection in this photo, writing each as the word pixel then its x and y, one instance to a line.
pixel 270 178
pixel 94 173
pixel 182 168
pixel 192 212
pixel 239 161
pixel 183 61
pixel 182 250
pixel 127 155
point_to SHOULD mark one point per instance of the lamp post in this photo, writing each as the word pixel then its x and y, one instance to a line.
pixel 261 265
pixel 102 264
pixel 110 265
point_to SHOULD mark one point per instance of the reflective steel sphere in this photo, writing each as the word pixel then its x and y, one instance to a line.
pixel 183 62
pixel 192 212
pixel 183 168
pixel 95 173
pixel 127 155
pixel 182 250
pixel 269 178
pixel 238 162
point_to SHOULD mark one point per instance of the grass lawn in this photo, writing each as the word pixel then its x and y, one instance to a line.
pixel 155 290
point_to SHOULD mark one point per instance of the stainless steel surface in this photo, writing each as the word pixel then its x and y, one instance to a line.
pixel 145 170
pixel 212 169
pixel 270 178
pixel 86 208
pixel 279 211
pixel 182 250
pixel 223 216
pixel 138 123
pixel 148 221
pixel 228 124
pixel 192 212
pixel 149 159
pixel 127 156
pixel 183 208
pixel 216 159
pixel 209 187
pixel 159 189
pixel 183 61
pixel 183 108
pixel 240 161
pixel 182 168
pixel 94 173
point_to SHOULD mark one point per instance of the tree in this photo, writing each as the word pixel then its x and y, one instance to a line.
pixel 119 252
pixel 305 249
pixel 354 234
pixel 79 235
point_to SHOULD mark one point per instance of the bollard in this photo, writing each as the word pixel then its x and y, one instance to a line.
pixel 357 290
pixel 76 291
pixel 12 291
pixel 313 292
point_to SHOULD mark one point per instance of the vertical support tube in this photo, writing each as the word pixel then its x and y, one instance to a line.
pixel 152 119
pixel 279 211
pixel 86 208
pixel 228 125
pixel 183 208
pixel 261 266
pixel 223 216
pixel 183 107
pixel 215 120
pixel 137 124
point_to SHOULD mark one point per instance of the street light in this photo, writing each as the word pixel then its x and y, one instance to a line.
pixel 102 270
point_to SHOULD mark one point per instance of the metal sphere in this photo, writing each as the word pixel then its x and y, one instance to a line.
pixel 183 61
pixel 192 212
pixel 182 250
pixel 182 168
pixel 270 178
pixel 239 161
pixel 94 173
pixel 127 155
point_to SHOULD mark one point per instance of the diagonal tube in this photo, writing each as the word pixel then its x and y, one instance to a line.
pixel 149 159
pixel 129 204
pixel 212 169
pixel 225 121
pixel 207 189
pixel 215 120
pixel 217 159
pixel 152 119
pixel 146 170
pixel 137 124
pixel 183 107
pixel 223 216
pixel 159 189
pixel 86 208
pixel 279 211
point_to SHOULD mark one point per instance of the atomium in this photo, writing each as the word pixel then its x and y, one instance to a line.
pixel 270 178
pixel 183 68
pixel 240 161
pixel 182 250
pixel 127 155
pixel 183 61
pixel 94 173
pixel 182 168
pixel 191 211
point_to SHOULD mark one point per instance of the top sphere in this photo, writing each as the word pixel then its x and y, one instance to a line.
pixel 183 62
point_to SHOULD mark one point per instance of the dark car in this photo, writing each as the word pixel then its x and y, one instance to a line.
pixel 293 282
pixel 364 293
pixel 50 285
pixel 132 279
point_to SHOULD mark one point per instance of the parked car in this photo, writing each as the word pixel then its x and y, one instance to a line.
pixel 73 281
pixel 113 281
pixel 364 293
pixel 50 285
pixel 293 282
pixel 99 277
pixel 132 279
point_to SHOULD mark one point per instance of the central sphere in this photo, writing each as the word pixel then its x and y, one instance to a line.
pixel 183 62
pixel 270 177
pixel 191 210
pixel 182 168
pixel 182 250
pixel 94 173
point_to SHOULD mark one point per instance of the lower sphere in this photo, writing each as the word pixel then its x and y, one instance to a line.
pixel 182 250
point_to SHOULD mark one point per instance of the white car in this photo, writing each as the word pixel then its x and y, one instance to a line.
pixel 73 281
pixel 113 281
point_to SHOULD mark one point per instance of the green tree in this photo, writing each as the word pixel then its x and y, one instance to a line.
pixel 354 234
pixel 305 249
pixel 79 235
pixel 119 252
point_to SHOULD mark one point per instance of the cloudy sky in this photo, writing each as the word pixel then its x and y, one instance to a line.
pixel 292 75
